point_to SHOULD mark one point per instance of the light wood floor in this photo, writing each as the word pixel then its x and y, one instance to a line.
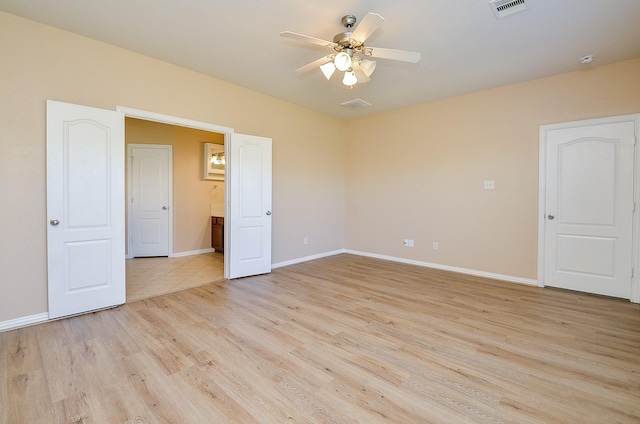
pixel 149 277
pixel 343 339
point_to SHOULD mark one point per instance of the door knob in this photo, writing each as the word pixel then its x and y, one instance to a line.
pixel 268 212
pixel 164 208
pixel 54 222
pixel 550 217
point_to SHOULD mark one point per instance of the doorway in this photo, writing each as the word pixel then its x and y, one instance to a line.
pixel 164 181
pixel 588 230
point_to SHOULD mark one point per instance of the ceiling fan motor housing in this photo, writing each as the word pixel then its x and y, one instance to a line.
pixel 343 39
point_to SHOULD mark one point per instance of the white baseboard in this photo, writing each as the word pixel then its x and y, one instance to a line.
pixel 181 254
pixel 191 253
pixel 307 258
pixel 23 321
pixel 509 278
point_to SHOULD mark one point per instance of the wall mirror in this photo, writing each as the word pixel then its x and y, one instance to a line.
pixel 214 161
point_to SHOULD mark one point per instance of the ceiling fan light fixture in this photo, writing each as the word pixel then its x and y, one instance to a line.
pixel 350 78
pixel 342 61
pixel 368 66
pixel 328 69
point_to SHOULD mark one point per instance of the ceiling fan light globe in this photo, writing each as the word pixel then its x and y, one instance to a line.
pixel 342 61
pixel 368 66
pixel 350 78
pixel 328 69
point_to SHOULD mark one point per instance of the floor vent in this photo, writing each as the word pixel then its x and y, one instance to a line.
pixel 356 104
pixel 503 8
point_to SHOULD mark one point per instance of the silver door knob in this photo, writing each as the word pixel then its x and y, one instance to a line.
pixel 164 208
pixel 54 222
pixel 550 217
pixel 268 212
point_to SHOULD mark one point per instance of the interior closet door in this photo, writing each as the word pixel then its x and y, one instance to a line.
pixel 589 208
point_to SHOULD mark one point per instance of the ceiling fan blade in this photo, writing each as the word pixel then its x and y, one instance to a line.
pixel 392 54
pixel 369 24
pixel 314 64
pixel 307 39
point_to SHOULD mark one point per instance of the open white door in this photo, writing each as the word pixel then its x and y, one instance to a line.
pixel 249 205
pixel 589 202
pixel 85 208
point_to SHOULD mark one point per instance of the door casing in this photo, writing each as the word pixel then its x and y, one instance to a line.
pixel 544 129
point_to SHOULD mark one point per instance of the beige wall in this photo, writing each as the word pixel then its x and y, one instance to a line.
pixel 192 195
pixel 418 172
pixel 40 63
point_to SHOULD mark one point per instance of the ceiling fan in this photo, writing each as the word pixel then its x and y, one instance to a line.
pixel 350 54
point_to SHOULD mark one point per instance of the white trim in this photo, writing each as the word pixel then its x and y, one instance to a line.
pixel 129 157
pixel 172 120
pixel 183 122
pixel 635 280
pixel 501 277
pixel 12 324
pixel 307 258
pixel 192 252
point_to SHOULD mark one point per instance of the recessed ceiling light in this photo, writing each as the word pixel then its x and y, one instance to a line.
pixel 587 59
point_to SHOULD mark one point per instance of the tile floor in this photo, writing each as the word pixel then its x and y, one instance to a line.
pixel 148 277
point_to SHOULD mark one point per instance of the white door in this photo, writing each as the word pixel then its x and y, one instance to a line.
pixel 85 208
pixel 149 200
pixel 589 208
pixel 249 205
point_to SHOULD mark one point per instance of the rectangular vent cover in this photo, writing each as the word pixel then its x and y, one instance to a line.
pixel 356 104
pixel 503 8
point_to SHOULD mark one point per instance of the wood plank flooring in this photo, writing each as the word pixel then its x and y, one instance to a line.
pixel 343 339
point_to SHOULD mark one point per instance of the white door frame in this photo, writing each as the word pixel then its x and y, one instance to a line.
pixel 189 123
pixel 129 157
pixel 635 279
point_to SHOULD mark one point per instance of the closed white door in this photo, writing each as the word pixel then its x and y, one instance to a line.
pixel 85 209
pixel 589 208
pixel 150 192
pixel 249 197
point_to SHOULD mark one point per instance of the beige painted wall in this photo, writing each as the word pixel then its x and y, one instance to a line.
pixel 418 172
pixel 192 194
pixel 40 63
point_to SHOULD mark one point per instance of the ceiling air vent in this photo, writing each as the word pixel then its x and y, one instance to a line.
pixel 356 104
pixel 503 8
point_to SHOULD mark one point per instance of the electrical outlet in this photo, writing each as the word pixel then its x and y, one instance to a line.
pixel 489 185
pixel 305 240
pixel 408 242
pixel 435 245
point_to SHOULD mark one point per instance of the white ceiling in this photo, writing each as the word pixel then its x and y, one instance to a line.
pixel 464 47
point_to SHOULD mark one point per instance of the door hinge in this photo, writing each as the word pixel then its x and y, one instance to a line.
pixel 632 272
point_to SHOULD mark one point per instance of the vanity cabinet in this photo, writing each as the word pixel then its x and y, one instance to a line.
pixel 217 233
